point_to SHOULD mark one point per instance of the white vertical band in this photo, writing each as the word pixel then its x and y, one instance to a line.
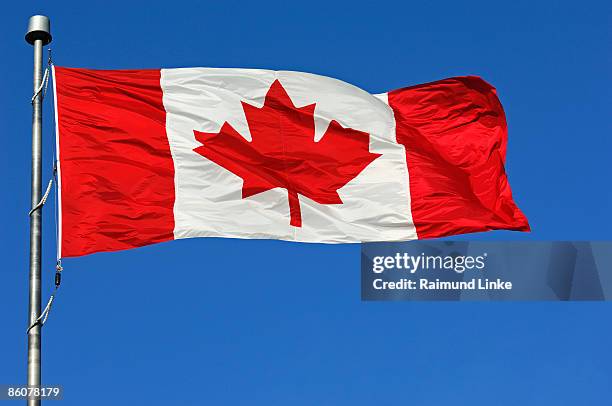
pixel 59 173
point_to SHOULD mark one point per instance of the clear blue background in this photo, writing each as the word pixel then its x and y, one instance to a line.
pixel 228 322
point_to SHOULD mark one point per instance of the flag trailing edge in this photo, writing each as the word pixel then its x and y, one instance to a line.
pixel 147 156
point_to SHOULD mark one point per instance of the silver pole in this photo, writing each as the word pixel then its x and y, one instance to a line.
pixel 38 35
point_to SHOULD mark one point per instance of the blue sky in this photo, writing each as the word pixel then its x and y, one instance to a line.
pixel 226 322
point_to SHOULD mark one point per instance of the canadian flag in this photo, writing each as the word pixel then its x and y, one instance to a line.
pixel 153 155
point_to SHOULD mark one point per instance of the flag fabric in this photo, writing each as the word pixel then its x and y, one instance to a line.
pixel 154 155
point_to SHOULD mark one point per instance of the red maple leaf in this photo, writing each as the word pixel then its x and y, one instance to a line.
pixel 283 152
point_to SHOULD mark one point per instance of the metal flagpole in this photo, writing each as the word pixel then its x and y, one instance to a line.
pixel 38 35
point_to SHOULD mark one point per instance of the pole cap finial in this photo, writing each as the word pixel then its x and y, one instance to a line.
pixel 39 27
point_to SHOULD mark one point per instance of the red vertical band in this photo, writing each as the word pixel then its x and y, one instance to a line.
pixel 117 173
pixel 455 134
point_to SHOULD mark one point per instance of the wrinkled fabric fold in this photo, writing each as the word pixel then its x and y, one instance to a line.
pixel 455 134
pixel 115 166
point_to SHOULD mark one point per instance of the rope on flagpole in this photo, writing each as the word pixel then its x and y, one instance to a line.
pixel 43 88
pixel 44 315
pixel 42 319
pixel 43 200
pixel 45 80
